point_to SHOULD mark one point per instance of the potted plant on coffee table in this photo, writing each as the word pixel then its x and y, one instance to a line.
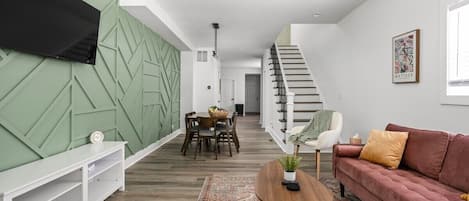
pixel 290 163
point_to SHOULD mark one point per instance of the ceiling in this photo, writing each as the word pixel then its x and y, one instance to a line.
pixel 248 27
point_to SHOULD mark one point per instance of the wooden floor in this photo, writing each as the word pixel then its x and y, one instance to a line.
pixel 168 175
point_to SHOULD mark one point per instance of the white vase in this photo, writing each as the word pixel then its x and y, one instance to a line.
pixel 289 176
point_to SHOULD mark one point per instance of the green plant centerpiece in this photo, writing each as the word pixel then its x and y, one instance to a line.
pixel 290 163
pixel 213 108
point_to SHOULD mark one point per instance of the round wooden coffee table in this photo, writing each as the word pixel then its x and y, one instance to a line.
pixel 269 186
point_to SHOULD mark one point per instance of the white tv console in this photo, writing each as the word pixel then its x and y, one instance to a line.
pixel 91 172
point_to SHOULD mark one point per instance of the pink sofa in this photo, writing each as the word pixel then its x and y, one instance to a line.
pixel 435 167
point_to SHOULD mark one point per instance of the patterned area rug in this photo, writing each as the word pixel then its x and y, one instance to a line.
pixel 241 188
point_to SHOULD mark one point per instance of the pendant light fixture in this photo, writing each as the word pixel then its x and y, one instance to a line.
pixel 215 26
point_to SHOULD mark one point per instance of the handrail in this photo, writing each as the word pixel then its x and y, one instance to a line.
pixel 287 90
pixel 290 102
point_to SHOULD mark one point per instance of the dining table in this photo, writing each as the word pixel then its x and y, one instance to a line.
pixel 207 115
pixel 221 122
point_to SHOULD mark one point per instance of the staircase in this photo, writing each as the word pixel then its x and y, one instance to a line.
pixel 292 79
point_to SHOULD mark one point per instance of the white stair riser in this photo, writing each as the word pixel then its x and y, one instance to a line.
pixel 312 106
pixel 296 84
pixel 298 77
pixel 309 98
pixel 287 66
pixel 303 90
pixel 299 98
pixel 289 51
pixel 292 61
pixel 295 124
pixel 301 115
pixel 281 48
pixel 287 71
pixel 301 84
pixel 284 56
pixel 309 106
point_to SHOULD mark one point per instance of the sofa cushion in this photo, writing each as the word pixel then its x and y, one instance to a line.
pixel 455 168
pixel 396 185
pixel 425 150
pixel 385 148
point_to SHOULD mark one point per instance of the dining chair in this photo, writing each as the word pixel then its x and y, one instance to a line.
pixel 234 120
pixel 225 134
pixel 206 132
pixel 228 133
pixel 191 131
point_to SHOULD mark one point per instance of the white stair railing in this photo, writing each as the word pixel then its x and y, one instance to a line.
pixel 290 105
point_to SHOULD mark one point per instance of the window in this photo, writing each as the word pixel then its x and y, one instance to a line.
pixel 457 52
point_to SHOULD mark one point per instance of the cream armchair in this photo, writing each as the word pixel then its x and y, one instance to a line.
pixel 325 140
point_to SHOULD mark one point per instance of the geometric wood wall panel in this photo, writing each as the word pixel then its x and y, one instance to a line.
pixel 48 106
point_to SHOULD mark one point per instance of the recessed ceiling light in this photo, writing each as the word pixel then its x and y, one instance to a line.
pixel 316 15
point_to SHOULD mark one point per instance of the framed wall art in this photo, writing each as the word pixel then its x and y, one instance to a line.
pixel 406 57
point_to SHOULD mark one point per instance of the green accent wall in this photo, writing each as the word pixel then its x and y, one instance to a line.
pixel 49 106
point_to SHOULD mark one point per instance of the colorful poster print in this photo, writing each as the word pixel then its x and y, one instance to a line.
pixel 406 57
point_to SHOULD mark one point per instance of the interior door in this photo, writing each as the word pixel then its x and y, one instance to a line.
pixel 227 94
pixel 253 89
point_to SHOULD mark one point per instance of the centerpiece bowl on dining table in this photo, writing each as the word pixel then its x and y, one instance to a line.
pixel 217 113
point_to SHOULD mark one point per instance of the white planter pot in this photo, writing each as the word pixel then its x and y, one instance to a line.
pixel 289 176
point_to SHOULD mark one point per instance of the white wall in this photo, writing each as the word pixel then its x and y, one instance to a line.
pixel 206 74
pixel 238 75
pixel 187 82
pixel 352 64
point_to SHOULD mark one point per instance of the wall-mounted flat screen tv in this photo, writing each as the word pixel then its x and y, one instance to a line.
pixel 63 29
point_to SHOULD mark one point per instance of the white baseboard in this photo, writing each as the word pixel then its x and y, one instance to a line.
pixel 277 139
pixel 131 160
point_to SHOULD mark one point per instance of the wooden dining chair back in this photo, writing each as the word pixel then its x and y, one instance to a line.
pixel 234 122
pixel 188 120
pixel 205 122
pixel 190 132
pixel 206 132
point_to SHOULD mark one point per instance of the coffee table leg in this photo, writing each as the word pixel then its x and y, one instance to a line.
pixel 342 190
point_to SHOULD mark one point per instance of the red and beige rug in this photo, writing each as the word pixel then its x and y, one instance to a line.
pixel 241 188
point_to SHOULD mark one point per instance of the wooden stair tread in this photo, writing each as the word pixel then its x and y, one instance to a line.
pixel 298 95
pixel 293 81
pixel 309 102
pixel 296 87
pixel 299 111
pixel 289 69
pixel 287 49
pixel 295 120
pixel 295 68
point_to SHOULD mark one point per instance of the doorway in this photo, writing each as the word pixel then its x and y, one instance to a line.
pixel 253 94
pixel 227 94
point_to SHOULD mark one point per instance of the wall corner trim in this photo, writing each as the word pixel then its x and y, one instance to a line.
pixel 131 160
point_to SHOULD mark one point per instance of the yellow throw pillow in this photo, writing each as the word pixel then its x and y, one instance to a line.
pixel 385 148
pixel 465 197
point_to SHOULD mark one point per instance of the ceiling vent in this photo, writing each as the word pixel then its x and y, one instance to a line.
pixel 202 56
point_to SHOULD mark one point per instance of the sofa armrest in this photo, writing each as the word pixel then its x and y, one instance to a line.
pixel 344 150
